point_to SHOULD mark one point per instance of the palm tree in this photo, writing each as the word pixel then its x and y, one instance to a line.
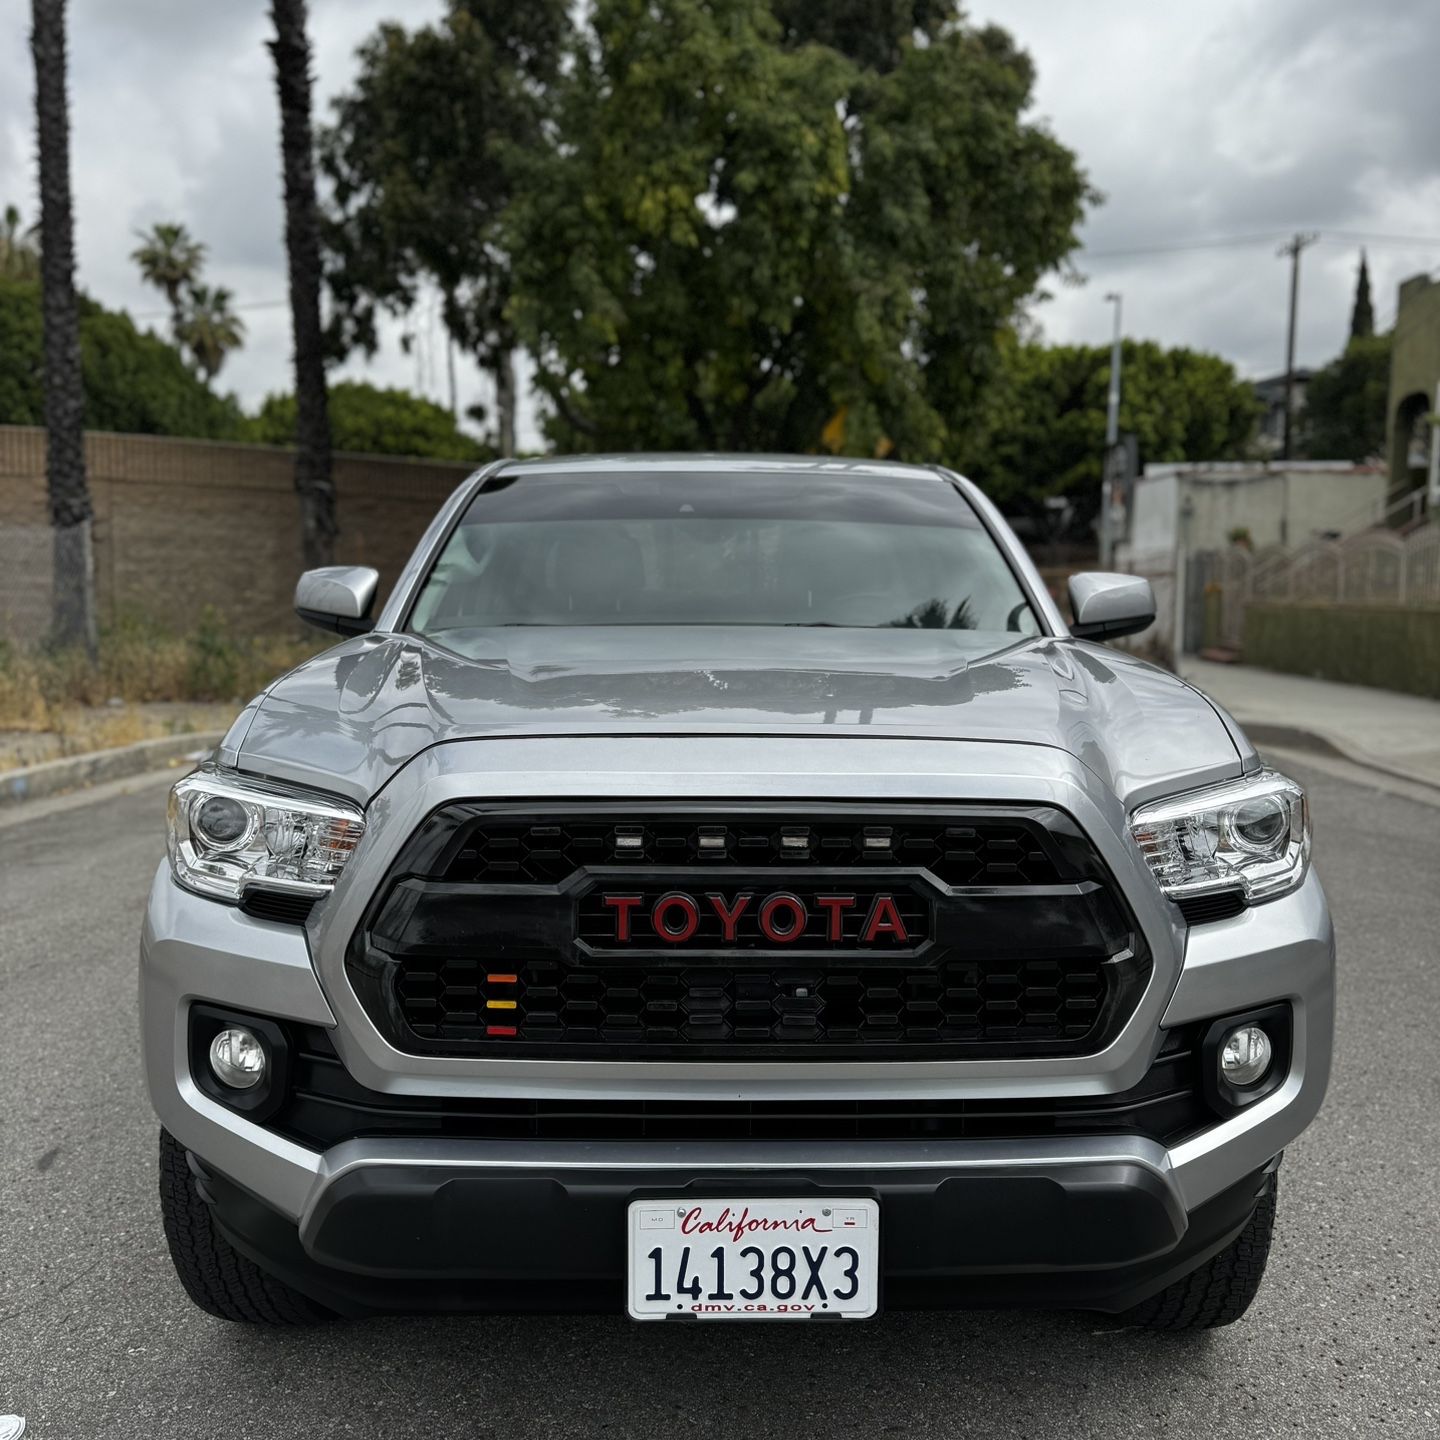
pixel 19 249
pixel 170 260
pixel 210 329
pixel 291 51
pixel 69 494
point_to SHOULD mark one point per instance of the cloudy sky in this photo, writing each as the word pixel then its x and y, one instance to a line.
pixel 1203 122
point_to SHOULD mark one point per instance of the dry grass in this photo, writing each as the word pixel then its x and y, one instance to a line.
pixel 146 683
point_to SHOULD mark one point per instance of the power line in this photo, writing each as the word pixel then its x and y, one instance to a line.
pixel 1269 237
pixel 1352 235
pixel 1215 244
pixel 244 305
pixel 1221 242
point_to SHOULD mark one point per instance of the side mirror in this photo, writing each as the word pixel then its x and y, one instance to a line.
pixel 1106 605
pixel 338 598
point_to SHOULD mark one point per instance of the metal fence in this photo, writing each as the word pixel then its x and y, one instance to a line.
pixel 1375 567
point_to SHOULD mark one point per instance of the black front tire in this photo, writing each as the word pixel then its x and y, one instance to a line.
pixel 216 1276
pixel 1220 1291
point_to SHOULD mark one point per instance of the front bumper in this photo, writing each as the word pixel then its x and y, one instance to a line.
pixel 462 1230
pixel 460 1223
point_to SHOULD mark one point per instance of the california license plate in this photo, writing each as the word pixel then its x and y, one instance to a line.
pixel 754 1259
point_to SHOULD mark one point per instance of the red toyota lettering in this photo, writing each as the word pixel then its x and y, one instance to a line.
pixel 689 917
pixel 884 919
pixel 780 935
pixel 622 905
pixel 835 907
pixel 729 914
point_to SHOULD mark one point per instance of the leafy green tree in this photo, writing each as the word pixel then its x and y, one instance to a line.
pixel 1345 403
pixel 171 260
pixel 19 249
pixel 873 33
pixel 373 421
pixel 132 381
pixel 1042 432
pixel 422 168
pixel 734 242
pixel 210 329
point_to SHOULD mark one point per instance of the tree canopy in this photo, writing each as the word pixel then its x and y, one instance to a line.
pixel 421 160
pixel 737 244
pixel 133 380
pixel 373 421
pixel 744 223
pixel 1043 431
pixel 1345 403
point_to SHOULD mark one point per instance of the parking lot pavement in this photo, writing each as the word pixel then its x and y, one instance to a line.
pixel 97 1339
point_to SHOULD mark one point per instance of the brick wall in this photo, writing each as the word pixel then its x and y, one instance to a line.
pixel 180 524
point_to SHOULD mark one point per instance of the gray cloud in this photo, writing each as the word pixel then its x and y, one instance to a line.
pixel 1227 118
pixel 1203 119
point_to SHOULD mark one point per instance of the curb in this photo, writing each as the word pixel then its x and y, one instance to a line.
pixel 73 772
pixel 1296 737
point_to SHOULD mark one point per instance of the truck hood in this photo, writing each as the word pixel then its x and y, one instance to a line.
pixel 351 717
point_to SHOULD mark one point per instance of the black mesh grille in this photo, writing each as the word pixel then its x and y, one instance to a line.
pixel 820 933
pixel 326 1106
pixel 981 852
pixel 1048 1001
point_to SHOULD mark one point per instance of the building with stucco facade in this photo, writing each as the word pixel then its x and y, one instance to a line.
pixel 1414 378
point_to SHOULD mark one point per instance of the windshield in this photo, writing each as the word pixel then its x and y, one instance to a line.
pixel 711 548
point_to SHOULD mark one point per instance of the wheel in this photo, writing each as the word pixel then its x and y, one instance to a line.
pixel 216 1276
pixel 1220 1291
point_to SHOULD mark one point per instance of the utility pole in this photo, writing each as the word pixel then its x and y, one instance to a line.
pixel 1293 248
pixel 1112 437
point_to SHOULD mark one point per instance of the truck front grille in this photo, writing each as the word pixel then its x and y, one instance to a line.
pixel 828 932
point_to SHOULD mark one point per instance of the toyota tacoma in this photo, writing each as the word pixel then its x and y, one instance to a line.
pixel 727 888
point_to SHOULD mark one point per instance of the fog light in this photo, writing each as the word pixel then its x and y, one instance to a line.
pixel 237 1058
pixel 1245 1056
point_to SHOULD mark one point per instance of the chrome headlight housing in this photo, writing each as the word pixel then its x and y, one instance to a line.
pixel 1251 834
pixel 228 833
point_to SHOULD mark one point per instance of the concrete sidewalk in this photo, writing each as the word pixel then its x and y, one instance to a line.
pixel 1382 729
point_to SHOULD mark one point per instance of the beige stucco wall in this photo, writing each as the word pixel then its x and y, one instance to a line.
pixel 1278 504
pixel 1414 370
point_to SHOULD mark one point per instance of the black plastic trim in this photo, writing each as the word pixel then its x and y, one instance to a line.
pixel 327 1106
pixel 261 1101
pixel 1226 1099
pixel 1214 905
pixel 410 1239
pixel 284 907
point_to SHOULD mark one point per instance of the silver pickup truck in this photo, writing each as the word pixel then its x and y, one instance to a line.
pixel 726 888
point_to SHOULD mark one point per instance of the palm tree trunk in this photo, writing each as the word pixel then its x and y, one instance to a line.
pixel 505 399
pixel 313 482
pixel 69 494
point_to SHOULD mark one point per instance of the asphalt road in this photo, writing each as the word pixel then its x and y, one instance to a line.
pixel 97 1339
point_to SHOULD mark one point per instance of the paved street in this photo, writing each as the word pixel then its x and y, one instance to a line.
pixel 97 1339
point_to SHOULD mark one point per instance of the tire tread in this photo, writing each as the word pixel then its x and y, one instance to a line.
pixel 216 1276
pixel 1220 1291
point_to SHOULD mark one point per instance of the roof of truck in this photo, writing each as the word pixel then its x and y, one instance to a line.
pixel 731 464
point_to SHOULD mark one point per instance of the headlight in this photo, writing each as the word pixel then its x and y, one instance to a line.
pixel 1252 833
pixel 228 833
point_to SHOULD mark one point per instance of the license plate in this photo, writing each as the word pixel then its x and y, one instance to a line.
pixel 754 1259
